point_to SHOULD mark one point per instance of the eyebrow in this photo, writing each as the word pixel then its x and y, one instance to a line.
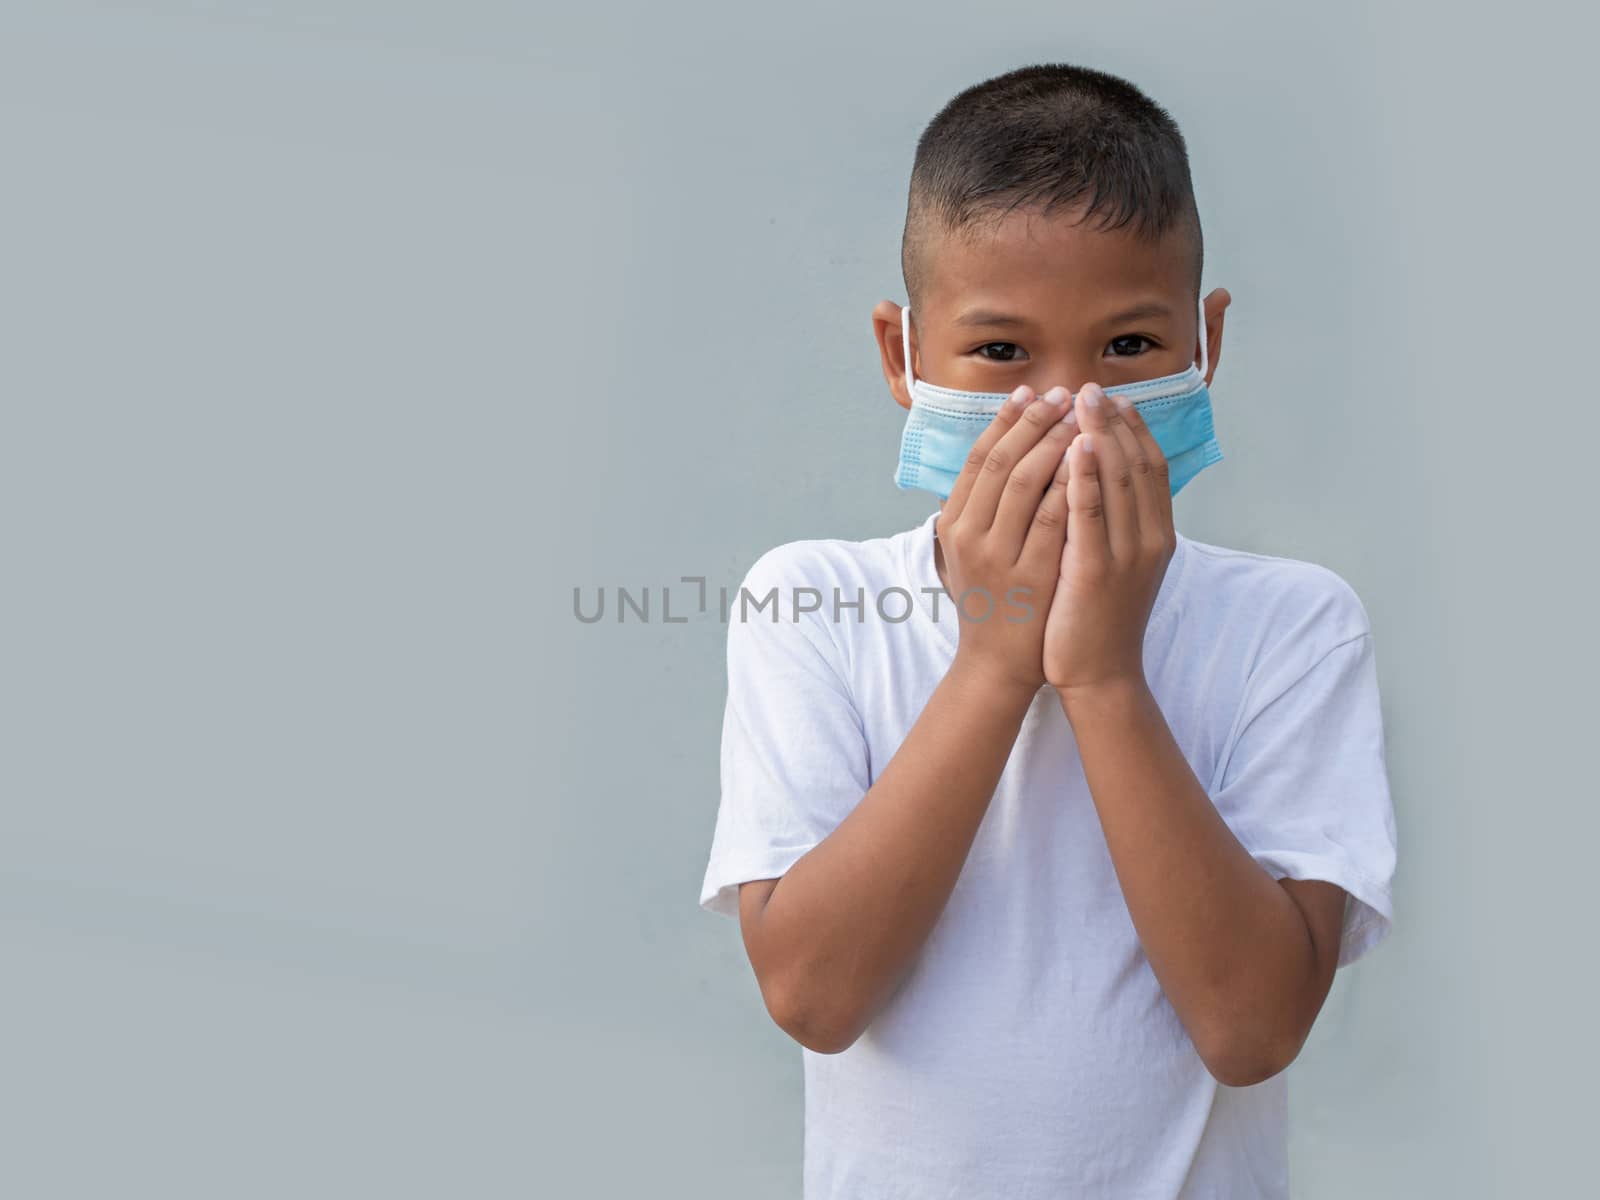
pixel 989 316
pixel 1151 308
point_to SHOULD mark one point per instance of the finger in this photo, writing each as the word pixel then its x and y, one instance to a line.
pixel 983 501
pixel 1116 479
pixel 1042 547
pixel 1160 470
pixel 1086 514
pixel 1143 487
pixel 1003 420
pixel 1020 497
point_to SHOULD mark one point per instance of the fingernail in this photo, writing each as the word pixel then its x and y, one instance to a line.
pixel 1090 394
pixel 1121 401
pixel 1017 399
pixel 1071 418
pixel 1056 395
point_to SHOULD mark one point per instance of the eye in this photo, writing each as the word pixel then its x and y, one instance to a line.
pixel 1011 346
pixel 1124 340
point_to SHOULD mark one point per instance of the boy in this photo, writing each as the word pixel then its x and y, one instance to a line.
pixel 1047 826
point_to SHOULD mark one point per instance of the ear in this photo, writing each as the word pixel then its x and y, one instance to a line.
pixel 891 349
pixel 1216 304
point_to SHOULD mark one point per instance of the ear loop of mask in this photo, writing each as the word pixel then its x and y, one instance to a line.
pixel 905 338
pixel 911 378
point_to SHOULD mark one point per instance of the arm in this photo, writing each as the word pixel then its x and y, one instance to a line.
pixel 832 939
pixel 838 931
pixel 1245 960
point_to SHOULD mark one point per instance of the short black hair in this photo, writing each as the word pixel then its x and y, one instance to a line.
pixel 1050 136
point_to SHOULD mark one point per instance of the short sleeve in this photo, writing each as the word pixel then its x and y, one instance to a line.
pixel 794 754
pixel 1305 786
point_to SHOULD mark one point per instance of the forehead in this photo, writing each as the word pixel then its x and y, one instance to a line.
pixel 1029 261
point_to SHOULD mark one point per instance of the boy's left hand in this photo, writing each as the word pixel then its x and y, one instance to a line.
pixel 1119 541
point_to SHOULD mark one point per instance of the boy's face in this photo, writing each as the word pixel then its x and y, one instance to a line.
pixel 1044 301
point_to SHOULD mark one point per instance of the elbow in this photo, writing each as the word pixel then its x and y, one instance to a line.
pixel 824 1028
pixel 1240 1071
pixel 825 1040
pixel 1244 1057
pixel 818 1031
pixel 802 997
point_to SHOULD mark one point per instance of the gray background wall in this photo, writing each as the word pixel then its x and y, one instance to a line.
pixel 343 340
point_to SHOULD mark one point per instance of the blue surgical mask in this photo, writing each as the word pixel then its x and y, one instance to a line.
pixel 943 423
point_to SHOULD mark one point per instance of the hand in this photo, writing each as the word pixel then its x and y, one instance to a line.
pixel 1119 541
pixel 1002 530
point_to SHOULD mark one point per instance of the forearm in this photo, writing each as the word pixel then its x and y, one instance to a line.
pixel 847 920
pixel 1230 947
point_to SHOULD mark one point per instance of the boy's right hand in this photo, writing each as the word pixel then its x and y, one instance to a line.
pixel 1002 531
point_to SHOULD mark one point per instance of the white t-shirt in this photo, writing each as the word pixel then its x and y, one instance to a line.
pixel 1030 1053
